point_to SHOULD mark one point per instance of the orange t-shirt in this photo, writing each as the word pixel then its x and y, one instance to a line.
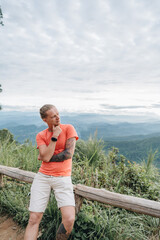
pixel 57 168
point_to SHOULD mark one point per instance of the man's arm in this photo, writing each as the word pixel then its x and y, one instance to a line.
pixel 67 153
pixel 46 152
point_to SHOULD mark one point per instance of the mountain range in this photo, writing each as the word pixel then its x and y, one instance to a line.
pixel 108 127
pixel 134 139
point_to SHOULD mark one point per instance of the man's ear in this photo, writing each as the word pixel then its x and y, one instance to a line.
pixel 44 120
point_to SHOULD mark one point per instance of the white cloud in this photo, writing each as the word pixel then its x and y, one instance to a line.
pixel 80 52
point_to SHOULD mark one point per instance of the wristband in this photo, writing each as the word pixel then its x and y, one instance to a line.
pixel 54 139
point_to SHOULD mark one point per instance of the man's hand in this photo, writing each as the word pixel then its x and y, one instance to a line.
pixel 56 131
pixel 46 152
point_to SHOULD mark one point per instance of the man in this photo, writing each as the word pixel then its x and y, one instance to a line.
pixel 56 146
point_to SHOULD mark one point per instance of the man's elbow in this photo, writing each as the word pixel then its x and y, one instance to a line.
pixel 43 158
pixel 68 155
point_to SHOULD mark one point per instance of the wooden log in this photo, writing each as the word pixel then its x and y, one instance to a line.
pixel 130 203
pixel 135 204
pixel 18 174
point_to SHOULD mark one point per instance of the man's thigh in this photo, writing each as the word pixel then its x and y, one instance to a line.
pixel 40 192
pixel 63 190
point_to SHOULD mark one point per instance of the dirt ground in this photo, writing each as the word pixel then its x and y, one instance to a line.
pixel 9 230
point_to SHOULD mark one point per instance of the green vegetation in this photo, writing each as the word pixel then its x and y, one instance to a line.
pixel 92 167
pixel 133 147
pixel 1 22
pixel 137 150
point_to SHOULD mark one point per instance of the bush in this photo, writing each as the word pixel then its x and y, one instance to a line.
pixel 92 167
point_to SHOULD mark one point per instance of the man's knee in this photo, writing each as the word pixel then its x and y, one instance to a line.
pixel 68 217
pixel 68 223
pixel 71 220
pixel 35 218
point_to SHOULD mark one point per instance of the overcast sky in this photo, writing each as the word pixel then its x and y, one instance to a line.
pixel 99 56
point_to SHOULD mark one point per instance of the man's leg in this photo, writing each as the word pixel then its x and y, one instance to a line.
pixel 33 226
pixel 66 226
pixel 40 192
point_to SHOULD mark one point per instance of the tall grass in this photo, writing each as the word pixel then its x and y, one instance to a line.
pixel 149 162
pixel 92 167
pixel 23 156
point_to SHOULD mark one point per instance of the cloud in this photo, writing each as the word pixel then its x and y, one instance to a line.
pixel 20 108
pixel 81 50
pixel 114 107
pixel 156 105
pixel 142 109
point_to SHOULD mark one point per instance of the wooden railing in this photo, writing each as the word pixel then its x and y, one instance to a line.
pixel 135 204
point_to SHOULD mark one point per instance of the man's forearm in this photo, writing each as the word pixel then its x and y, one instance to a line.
pixel 60 157
pixel 67 153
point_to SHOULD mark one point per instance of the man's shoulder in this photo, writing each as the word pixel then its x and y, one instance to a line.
pixel 66 126
pixel 43 132
pixel 69 130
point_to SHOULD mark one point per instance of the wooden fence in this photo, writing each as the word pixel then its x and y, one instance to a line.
pixel 135 204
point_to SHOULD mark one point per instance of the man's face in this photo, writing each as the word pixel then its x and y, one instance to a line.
pixel 53 118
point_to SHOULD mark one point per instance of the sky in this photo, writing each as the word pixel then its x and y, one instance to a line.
pixel 92 56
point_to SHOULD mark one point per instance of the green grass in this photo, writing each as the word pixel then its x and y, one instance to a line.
pixel 92 167
pixel 23 156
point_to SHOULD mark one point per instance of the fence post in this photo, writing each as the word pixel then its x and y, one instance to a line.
pixel 1 180
pixel 78 201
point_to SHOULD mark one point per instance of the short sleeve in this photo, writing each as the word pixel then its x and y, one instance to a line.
pixel 40 140
pixel 71 132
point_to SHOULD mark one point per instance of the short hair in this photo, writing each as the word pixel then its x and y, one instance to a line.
pixel 44 109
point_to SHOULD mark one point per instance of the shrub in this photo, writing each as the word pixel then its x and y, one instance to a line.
pixel 92 167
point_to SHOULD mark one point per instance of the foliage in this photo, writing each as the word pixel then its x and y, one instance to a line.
pixel 23 156
pixel 151 158
pixel 1 22
pixel 119 175
pixel 6 136
pixel 14 197
pixel 92 167
pixel 137 150
pixel 101 223
pixel 92 150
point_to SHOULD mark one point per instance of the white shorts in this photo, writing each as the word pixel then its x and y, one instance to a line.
pixel 41 188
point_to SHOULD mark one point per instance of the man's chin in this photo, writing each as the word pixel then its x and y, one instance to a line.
pixel 57 124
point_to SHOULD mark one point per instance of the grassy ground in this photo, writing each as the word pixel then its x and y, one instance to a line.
pixel 92 167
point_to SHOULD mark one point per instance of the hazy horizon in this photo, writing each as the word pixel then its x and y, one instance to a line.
pixel 97 117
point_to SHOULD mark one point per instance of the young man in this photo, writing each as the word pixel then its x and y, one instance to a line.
pixel 56 146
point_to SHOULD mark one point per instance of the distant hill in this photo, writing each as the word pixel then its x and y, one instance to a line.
pixel 108 132
pixel 12 119
pixel 137 150
pixel 25 132
pixel 120 130
pixel 26 124
pixel 134 140
pixel 15 118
